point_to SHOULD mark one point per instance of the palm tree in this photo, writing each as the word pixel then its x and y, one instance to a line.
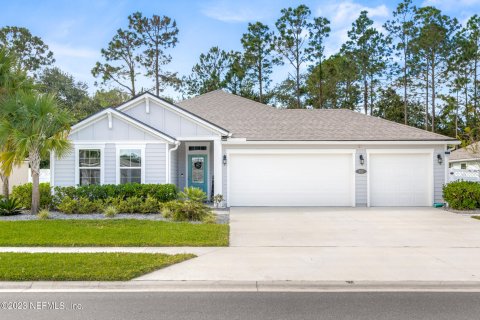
pixel 34 125
pixel 11 80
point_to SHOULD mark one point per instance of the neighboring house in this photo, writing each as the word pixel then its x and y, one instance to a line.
pixel 256 155
pixel 19 176
pixel 464 163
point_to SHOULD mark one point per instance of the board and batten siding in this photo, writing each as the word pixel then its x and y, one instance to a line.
pixel 361 183
pixel 155 163
pixel 167 121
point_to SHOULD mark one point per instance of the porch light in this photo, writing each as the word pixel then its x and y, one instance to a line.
pixel 439 158
pixel 224 159
pixel 362 160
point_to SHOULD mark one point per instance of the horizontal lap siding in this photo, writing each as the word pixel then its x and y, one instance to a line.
pixel 155 163
pixel 361 179
pixel 64 172
pixel 110 164
pixel 173 167
pixel 439 174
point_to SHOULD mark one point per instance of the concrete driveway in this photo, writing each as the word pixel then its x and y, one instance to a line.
pixel 333 244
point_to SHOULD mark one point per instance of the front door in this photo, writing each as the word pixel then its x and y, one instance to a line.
pixel 197 171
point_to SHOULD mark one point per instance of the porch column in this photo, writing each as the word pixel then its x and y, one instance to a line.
pixel 217 166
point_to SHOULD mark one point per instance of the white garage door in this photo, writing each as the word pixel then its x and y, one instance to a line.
pixel 400 179
pixel 291 179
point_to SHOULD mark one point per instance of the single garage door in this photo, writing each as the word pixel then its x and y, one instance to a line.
pixel 290 179
pixel 403 179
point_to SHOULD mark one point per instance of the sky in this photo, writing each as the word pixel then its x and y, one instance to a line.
pixel 77 30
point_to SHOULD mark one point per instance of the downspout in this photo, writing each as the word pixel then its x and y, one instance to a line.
pixel 177 144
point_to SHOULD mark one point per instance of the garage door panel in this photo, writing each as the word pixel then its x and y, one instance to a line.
pixel 400 179
pixel 290 179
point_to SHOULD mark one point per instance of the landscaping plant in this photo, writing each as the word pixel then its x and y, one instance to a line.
pixel 43 215
pixel 10 207
pixel 462 195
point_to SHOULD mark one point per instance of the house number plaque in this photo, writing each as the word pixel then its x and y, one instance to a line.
pixel 361 171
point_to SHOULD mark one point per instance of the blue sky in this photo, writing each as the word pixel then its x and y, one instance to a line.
pixel 77 30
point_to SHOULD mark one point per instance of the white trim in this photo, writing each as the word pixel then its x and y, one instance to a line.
pixel 140 147
pixel 430 152
pixel 134 142
pixel 217 167
pixel 135 123
pixel 353 152
pixel 205 138
pixel 176 109
pixel 242 141
pixel 98 146
pixel 200 152
pixel 110 122
pixel 52 169
pixel 147 105
pixel 464 160
pixel 169 162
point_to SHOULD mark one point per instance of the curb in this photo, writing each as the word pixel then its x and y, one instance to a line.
pixel 240 286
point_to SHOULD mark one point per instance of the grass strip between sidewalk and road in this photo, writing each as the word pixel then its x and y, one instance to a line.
pixel 82 266
pixel 111 233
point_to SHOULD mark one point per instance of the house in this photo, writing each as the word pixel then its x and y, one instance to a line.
pixel 256 155
pixel 18 176
pixel 464 163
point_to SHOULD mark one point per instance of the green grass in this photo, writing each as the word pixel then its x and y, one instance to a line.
pixel 82 266
pixel 111 233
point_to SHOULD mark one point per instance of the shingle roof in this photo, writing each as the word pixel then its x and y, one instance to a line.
pixel 471 152
pixel 245 118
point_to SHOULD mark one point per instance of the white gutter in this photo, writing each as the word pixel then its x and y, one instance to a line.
pixel 169 172
pixel 241 141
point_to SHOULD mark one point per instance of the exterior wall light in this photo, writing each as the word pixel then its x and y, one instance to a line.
pixel 439 158
pixel 224 159
pixel 362 160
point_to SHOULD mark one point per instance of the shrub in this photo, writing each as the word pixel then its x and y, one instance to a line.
pixel 193 194
pixel 150 205
pixel 186 210
pixel 462 195
pixel 217 199
pixel 210 218
pixel 161 192
pixel 129 205
pixel 43 215
pixel 67 205
pixel 10 207
pixel 110 212
pixel 84 205
pixel 24 195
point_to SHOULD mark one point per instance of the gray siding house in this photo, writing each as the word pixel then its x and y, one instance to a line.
pixel 256 155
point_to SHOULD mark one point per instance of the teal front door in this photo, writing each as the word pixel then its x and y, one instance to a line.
pixel 197 171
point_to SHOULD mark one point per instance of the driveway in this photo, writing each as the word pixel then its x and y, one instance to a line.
pixel 340 244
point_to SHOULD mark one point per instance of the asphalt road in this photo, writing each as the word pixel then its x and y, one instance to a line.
pixel 199 306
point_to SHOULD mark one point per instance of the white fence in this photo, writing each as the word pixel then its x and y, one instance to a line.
pixel 44 175
pixel 463 174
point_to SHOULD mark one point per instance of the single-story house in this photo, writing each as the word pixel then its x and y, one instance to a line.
pixel 257 155
pixel 467 158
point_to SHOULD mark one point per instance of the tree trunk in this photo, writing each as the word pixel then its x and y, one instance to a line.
pixel 371 96
pixel 475 92
pixel 405 98
pixel 260 82
pixel 365 95
pixel 34 159
pixel 433 95
pixel 426 101
pixel 5 187
pixel 298 88
pixel 157 81
pixel 320 82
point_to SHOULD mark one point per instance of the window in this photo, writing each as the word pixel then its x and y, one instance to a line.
pixel 463 166
pixel 197 148
pixel 89 165
pixel 130 166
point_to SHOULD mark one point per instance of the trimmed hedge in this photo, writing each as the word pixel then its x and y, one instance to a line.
pixel 462 195
pixel 23 193
pixel 161 192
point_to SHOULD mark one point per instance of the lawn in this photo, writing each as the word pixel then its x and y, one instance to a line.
pixel 111 233
pixel 82 266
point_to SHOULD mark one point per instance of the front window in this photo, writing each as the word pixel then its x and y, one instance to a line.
pixel 89 165
pixel 130 166
pixel 463 166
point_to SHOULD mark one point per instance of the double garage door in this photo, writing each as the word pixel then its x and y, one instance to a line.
pixel 327 178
